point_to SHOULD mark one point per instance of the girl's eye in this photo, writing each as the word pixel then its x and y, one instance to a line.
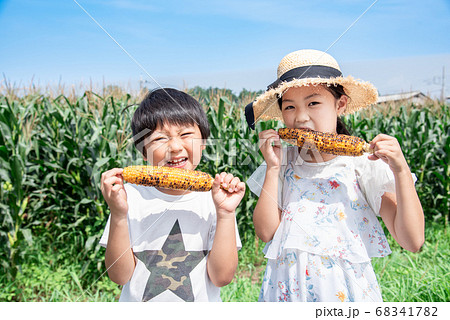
pixel 187 134
pixel 313 103
pixel 288 107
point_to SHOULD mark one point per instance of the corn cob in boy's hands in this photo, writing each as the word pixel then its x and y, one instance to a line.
pixel 332 143
pixel 169 178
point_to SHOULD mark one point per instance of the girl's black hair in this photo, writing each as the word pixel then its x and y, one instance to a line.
pixel 166 106
pixel 337 91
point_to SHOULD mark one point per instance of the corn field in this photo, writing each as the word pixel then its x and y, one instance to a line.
pixel 53 150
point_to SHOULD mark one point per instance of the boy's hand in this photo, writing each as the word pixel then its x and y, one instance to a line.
pixel 227 192
pixel 114 192
pixel 270 146
pixel 388 149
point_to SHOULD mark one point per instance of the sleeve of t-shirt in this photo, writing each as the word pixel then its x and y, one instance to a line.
pixel 104 239
pixel 375 178
pixel 212 233
pixel 238 238
pixel 256 180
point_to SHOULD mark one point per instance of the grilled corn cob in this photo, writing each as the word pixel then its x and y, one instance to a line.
pixel 169 178
pixel 332 143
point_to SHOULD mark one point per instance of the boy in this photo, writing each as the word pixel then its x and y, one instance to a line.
pixel 171 245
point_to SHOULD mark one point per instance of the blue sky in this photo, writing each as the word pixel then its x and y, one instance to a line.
pixel 398 45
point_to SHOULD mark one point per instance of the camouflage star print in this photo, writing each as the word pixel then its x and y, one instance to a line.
pixel 170 267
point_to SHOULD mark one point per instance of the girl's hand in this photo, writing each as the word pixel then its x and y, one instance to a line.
pixel 114 192
pixel 227 200
pixel 270 146
pixel 388 149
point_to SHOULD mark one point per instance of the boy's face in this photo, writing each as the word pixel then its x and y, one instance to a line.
pixel 175 146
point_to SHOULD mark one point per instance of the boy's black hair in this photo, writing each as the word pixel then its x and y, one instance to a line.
pixel 166 105
pixel 337 91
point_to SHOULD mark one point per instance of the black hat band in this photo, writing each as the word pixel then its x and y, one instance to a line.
pixel 306 72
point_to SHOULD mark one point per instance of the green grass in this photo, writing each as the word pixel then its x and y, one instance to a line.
pixel 419 277
pixel 47 283
pixel 246 284
pixel 403 276
pixel 53 275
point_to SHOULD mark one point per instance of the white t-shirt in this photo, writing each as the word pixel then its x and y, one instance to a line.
pixel 170 237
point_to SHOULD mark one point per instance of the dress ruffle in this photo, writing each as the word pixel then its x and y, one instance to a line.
pixel 330 208
pixel 334 233
pixel 299 276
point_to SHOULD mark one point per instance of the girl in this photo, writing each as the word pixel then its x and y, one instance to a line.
pixel 318 212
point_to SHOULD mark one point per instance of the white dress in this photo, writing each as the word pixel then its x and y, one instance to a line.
pixel 329 229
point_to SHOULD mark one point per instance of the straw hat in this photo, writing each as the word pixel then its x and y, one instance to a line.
pixel 303 68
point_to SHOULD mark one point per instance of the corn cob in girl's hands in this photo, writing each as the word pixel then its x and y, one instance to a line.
pixel 169 178
pixel 332 143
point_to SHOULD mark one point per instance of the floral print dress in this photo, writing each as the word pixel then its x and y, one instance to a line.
pixel 329 229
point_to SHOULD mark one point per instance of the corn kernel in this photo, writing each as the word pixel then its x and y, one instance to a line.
pixel 169 178
pixel 332 143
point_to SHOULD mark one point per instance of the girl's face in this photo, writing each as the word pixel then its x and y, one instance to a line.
pixel 312 107
pixel 175 146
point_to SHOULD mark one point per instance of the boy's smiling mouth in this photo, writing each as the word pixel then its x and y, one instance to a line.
pixel 178 162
